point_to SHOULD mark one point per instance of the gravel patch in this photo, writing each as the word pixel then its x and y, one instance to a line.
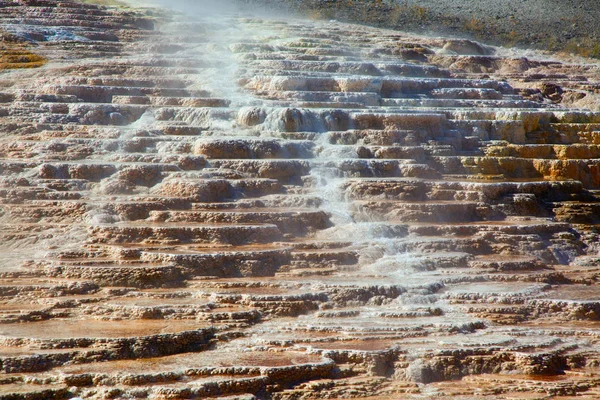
pixel 557 25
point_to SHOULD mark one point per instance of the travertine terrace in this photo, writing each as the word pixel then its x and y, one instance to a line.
pixel 291 209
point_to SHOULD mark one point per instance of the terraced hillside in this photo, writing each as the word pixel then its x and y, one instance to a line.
pixel 289 209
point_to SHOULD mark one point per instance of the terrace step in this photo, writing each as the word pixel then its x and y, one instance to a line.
pixel 177 233
pixel 288 221
pixel 223 207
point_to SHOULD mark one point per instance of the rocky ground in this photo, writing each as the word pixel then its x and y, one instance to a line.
pixel 566 26
pixel 216 205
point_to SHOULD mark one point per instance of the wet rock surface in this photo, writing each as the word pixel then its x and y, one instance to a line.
pixel 236 207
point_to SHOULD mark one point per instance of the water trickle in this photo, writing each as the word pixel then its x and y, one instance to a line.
pixel 329 182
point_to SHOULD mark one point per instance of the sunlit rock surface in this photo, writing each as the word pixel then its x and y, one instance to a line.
pixel 290 209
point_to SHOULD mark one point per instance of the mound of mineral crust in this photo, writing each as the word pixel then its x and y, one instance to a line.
pixel 275 208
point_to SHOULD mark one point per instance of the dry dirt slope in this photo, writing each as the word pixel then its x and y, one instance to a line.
pixel 569 26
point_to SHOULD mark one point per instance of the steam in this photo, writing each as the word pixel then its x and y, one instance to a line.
pixel 193 9
pixel 198 8
pixel 98 211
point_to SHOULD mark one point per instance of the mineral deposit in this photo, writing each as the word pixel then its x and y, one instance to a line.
pixel 274 208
